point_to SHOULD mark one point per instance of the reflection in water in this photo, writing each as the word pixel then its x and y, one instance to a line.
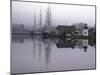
pixel 36 54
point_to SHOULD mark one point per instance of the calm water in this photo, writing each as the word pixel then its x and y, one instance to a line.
pixel 34 54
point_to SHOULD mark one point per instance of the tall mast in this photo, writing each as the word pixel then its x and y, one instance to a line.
pixel 48 16
pixel 34 21
pixel 40 18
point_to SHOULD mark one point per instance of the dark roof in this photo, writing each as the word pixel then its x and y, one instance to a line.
pixel 86 27
pixel 65 45
pixel 62 27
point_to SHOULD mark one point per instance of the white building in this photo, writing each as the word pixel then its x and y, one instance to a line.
pixel 85 30
pixel 81 29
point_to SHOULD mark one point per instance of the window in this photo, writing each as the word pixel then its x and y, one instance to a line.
pixel 85 32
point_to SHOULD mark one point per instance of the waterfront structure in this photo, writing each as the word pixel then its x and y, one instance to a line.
pixel 81 29
pixel 65 31
pixel 68 31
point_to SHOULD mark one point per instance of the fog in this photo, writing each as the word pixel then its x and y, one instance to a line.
pixel 23 13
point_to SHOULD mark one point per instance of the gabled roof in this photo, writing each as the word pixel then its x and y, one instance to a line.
pixel 63 27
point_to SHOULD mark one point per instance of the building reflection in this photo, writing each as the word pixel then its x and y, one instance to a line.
pixel 73 43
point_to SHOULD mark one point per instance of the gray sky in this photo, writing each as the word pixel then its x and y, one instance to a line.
pixel 23 13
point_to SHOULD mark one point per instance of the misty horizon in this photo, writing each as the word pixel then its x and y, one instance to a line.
pixel 23 13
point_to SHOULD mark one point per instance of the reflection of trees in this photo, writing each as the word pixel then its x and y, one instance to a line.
pixel 17 40
pixel 92 42
pixel 20 38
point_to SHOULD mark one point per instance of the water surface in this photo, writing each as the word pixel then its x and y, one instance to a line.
pixel 34 54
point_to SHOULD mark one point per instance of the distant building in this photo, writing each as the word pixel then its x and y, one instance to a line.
pixel 65 30
pixel 81 29
pixel 74 30
pixel 18 28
